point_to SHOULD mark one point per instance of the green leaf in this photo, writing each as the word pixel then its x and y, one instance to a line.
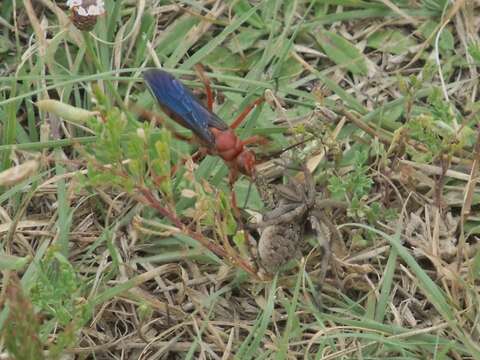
pixel 474 51
pixel 174 34
pixel 10 262
pixel 147 29
pixel 342 52
pixel 446 41
pixel 223 60
pixel 475 267
pixel 244 40
pixel 437 6
pixel 201 53
pixel 290 68
pixel 5 45
pixel 242 7
pixel 251 346
pixel 391 41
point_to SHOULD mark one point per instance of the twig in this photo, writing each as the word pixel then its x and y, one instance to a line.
pixel 150 200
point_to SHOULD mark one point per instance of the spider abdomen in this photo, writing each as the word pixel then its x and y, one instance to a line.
pixel 278 245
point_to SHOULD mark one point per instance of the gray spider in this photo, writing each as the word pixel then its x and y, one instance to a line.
pixel 292 207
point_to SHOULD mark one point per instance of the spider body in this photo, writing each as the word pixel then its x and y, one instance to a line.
pixel 283 225
pixel 293 208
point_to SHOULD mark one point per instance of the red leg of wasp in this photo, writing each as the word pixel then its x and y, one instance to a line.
pixel 200 154
pixel 236 211
pixel 245 112
pixel 196 157
pixel 208 90
pixel 232 177
pixel 235 208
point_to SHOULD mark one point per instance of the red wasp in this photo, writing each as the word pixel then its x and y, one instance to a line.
pixel 218 138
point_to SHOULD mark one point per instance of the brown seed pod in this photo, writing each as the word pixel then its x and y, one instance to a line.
pixel 85 12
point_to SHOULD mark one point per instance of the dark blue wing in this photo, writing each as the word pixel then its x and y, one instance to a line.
pixel 187 110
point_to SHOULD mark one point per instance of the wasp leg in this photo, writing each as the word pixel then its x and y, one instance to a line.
pixel 206 82
pixel 245 112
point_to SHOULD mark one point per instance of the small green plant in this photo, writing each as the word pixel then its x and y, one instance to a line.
pixel 54 302
pixel 56 291
pixel 474 51
pixel 354 186
pixel 143 161
pixel 22 327
pixel 57 294
pixel 440 131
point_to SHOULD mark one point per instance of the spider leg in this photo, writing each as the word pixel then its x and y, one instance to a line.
pixel 287 166
pixel 281 211
pixel 310 191
pixel 284 214
pixel 291 192
pixel 323 234
pixel 334 235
